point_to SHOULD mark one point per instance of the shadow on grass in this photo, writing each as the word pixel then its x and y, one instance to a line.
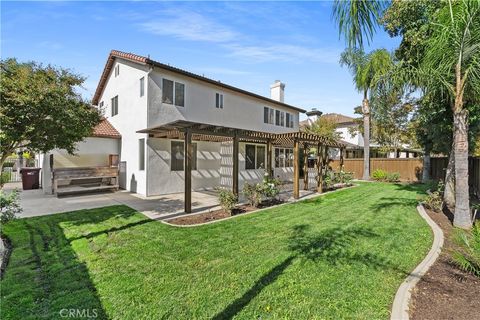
pixel 389 202
pixel 333 246
pixel 44 275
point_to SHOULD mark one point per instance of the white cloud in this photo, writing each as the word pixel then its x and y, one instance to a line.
pixel 291 53
pixel 188 25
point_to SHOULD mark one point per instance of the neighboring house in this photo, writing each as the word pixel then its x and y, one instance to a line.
pixel 347 127
pixel 136 93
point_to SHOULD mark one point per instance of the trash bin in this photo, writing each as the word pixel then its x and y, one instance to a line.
pixel 30 178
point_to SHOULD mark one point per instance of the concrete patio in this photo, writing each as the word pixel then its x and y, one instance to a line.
pixel 37 203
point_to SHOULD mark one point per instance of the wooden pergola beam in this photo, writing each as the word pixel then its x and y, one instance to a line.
pixel 235 165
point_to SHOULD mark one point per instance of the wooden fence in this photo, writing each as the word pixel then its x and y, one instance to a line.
pixel 411 169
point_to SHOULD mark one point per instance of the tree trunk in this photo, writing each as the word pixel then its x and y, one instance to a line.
pixel 449 193
pixel 366 139
pixel 462 217
pixel 426 166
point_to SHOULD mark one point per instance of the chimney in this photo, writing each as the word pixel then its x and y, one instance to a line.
pixel 313 115
pixel 277 91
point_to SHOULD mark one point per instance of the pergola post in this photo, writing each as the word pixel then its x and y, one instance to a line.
pixel 269 158
pixel 296 169
pixel 235 165
pixel 305 166
pixel 188 170
pixel 342 151
pixel 319 168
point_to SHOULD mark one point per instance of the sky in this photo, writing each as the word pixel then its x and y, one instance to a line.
pixel 245 44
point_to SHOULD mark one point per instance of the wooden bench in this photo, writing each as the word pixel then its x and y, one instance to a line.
pixel 84 179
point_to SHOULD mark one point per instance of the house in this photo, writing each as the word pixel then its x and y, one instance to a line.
pixel 347 127
pixel 149 107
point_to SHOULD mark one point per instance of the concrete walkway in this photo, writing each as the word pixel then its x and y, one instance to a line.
pixel 37 203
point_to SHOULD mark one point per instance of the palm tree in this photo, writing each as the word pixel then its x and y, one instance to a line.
pixel 452 62
pixel 366 69
pixel 357 19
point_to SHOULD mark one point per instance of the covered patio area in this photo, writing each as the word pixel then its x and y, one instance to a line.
pixel 301 142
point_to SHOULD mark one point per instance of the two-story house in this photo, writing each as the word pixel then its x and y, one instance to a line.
pixel 136 93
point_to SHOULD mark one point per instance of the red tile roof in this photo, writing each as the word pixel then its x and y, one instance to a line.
pixel 105 130
pixel 144 60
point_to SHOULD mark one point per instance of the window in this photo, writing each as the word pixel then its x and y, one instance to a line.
pixel 277 117
pixel 141 154
pixel 265 114
pixel 291 120
pixel 173 89
pixel 177 156
pixel 282 119
pixel 114 106
pixel 142 86
pixel 287 116
pixel 167 92
pixel 117 70
pixel 219 100
pixel 283 157
pixel 254 157
pixel 100 105
pixel 271 116
pixel 179 94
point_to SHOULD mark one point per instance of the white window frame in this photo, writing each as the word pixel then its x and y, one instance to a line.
pixel 219 100
pixel 287 157
pixel 257 166
pixel 142 86
pixel 174 98
pixel 114 106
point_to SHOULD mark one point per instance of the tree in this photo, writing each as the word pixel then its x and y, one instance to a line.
pixel 357 20
pixel 452 62
pixel 325 127
pixel 41 110
pixel 366 69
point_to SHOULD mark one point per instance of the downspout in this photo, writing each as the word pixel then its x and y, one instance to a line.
pixel 146 140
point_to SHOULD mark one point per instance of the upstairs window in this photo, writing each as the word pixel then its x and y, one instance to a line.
pixel 100 105
pixel 291 120
pixel 277 117
pixel 117 70
pixel 282 119
pixel 271 116
pixel 142 86
pixel 287 117
pixel 219 101
pixel 265 114
pixel 173 93
pixel 254 157
pixel 177 150
pixel 114 106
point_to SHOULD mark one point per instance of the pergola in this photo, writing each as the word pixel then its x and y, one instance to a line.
pixel 190 131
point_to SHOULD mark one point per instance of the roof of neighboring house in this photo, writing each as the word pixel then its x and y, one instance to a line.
pixel 335 117
pixel 105 130
pixel 144 60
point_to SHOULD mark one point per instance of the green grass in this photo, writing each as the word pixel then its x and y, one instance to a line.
pixel 342 255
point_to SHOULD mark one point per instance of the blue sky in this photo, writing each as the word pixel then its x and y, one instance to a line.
pixel 245 44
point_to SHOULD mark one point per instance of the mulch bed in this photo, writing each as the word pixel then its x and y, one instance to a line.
pixel 219 214
pixel 446 292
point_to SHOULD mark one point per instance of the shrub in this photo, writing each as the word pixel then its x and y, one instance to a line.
pixel 9 206
pixel 5 177
pixel 344 177
pixel 393 177
pixel 467 255
pixel 434 200
pixel 268 188
pixel 379 175
pixel 252 193
pixel 227 199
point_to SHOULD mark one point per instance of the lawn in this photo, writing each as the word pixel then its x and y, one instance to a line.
pixel 342 255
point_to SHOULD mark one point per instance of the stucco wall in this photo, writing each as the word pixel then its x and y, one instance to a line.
pixel 92 152
pixel 214 167
pixel 131 117
pixel 239 111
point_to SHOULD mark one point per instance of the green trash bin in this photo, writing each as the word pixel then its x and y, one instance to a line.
pixel 30 178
